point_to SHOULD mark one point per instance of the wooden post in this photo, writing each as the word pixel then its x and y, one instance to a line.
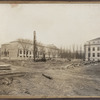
pixel 80 52
pixel 84 52
pixel 89 52
pixel 34 45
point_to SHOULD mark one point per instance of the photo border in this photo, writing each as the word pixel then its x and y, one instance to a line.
pixel 49 2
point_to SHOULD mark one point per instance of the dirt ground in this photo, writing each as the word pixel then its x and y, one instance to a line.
pixel 50 79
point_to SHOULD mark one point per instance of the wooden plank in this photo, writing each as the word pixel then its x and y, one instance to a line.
pixel 4 65
pixel 17 74
pixel 5 69
pixel 47 76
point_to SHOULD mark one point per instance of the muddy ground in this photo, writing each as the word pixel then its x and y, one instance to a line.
pixel 51 78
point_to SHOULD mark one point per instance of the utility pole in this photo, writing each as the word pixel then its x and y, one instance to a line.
pixel 84 52
pixel 34 45
pixel 77 56
pixel 81 52
pixel 89 52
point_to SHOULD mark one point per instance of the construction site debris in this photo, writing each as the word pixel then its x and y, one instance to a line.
pixel 5 67
pixel 8 75
pixel 47 76
pixel 6 81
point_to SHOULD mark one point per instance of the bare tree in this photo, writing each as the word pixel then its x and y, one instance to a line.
pixel 25 43
pixel 73 51
pixel 49 52
pixel 41 49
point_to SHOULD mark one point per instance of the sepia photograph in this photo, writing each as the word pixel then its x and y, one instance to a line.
pixel 50 49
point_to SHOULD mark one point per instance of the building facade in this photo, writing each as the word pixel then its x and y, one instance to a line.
pixel 24 50
pixel 92 50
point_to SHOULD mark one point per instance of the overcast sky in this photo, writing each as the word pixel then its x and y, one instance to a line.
pixel 59 24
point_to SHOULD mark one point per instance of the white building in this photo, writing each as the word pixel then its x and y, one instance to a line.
pixel 24 50
pixel 92 50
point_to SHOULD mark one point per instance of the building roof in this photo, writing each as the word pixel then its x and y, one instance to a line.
pixel 95 39
pixel 26 41
pixel 52 46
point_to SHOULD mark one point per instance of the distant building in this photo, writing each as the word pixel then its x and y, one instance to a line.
pixel 24 50
pixel 92 50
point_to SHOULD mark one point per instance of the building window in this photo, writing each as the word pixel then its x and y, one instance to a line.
pixel 24 51
pixel 8 53
pixel 93 48
pixel 5 53
pixel 20 51
pixel 89 49
pixel 88 54
pixel 98 54
pixel 98 48
pixel 30 52
pixel 93 54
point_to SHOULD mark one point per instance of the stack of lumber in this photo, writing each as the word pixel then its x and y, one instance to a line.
pixel 5 67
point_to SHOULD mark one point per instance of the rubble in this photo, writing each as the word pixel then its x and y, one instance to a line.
pixel 50 78
pixel 6 81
